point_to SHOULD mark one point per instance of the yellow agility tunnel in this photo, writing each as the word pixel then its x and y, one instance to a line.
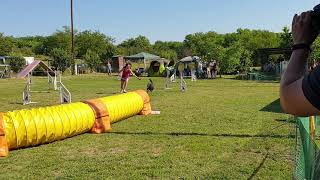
pixel 26 128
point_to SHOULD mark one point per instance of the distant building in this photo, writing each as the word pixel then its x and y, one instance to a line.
pixel 4 60
pixel 29 60
pixel 117 63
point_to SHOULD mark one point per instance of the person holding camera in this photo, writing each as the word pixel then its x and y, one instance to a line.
pixel 300 92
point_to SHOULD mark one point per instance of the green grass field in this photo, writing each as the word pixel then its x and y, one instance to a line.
pixel 218 129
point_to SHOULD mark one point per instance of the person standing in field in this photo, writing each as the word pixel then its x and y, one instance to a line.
pixel 126 73
pixel 214 69
pixel 208 71
pixel 109 68
pixel 211 69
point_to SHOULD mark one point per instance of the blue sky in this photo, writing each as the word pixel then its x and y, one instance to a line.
pixel 167 20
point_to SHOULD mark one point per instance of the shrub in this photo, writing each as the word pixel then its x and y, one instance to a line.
pixel 60 59
pixel 16 63
pixel 92 60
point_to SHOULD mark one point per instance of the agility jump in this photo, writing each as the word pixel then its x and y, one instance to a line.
pixel 54 83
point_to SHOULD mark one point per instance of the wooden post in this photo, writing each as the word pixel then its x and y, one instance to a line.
pixel 312 127
pixel 72 39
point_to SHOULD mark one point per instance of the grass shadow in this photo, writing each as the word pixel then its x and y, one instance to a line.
pixel 16 103
pixel 107 93
pixel 99 93
pixel 269 81
pixel 273 107
pixel 290 120
pixel 276 136
pixel 254 173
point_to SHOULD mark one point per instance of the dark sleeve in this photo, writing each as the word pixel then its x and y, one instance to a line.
pixel 311 87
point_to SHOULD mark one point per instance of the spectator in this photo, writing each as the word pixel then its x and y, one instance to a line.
pixel 209 70
pixel 214 69
pixel 109 68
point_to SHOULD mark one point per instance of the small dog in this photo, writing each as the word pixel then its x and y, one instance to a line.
pixel 150 86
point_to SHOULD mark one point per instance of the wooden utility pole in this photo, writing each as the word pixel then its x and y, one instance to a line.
pixel 72 39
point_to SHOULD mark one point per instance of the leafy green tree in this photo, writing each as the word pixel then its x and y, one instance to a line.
pixel 16 63
pixel 245 60
pixel 23 52
pixel 168 54
pixel 96 42
pixel 286 38
pixel 205 45
pixel 6 45
pixel 136 45
pixel 286 41
pixel 211 45
pixel 235 58
pixel 30 44
pixel 168 49
pixel 252 40
pixel 231 59
pixel 230 39
pixel 61 59
pixel 255 39
pixel 92 59
pixel 58 40
pixel 121 51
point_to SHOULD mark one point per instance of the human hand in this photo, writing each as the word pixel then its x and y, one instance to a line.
pixel 302 30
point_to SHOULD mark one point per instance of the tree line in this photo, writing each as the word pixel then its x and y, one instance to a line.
pixel 234 51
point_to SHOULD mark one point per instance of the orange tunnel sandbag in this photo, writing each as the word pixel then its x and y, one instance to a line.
pixel 25 128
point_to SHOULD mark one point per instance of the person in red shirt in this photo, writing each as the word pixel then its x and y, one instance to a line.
pixel 126 73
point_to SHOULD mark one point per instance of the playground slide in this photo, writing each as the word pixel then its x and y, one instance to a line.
pixel 26 128
pixel 28 69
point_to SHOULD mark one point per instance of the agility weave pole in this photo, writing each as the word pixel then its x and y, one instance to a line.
pixel 27 128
